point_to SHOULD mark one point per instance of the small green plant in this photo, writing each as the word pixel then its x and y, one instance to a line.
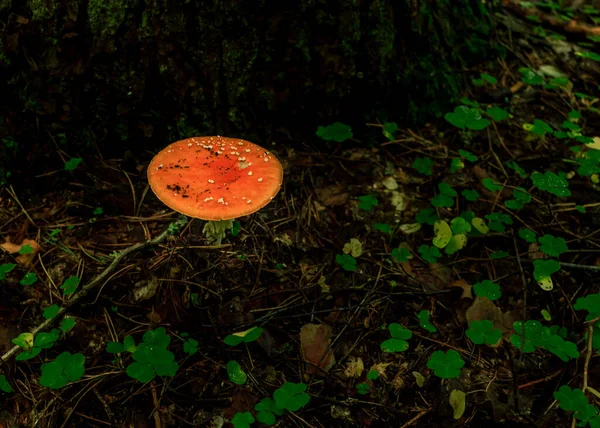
pixel 363 388
pixel 590 303
pixel 70 285
pixel 528 235
pixel 66 368
pixel 423 165
pixel 291 397
pixel 520 199
pixel 338 132
pixel 72 163
pixel 235 373
pixel 426 216
pixel 429 254
pixel 246 336
pixel 242 420
pixel 190 346
pixel 446 365
pixel 346 261
pixel 499 221
pixel 4 385
pixel 51 311
pixel 483 331
pixel 491 185
pixel 30 278
pixel 423 317
pixel 451 237
pixel 470 195
pixel 551 183
pixel 446 196
pixel 487 288
pixel 367 202
pixel 32 346
pixel 398 342
pixel 497 113
pixel 552 246
pixel 389 129
pixel 542 272
pixel 530 77
pixel 383 228
pixel 536 336
pixel 574 400
pixel 401 254
pixel 483 79
pixel 6 268
pixel 464 117
pixel 150 357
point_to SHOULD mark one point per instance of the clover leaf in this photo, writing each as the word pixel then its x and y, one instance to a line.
pixel 423 165
pixel 446 365
pixel 470 194
pixel 551 183
pixel 498 221
pixel 337 131
pixel 427 215
pixel 527 234
pixel 531 77
pixel 552 246
pixel 346 261
pixel 483 331
pixel 429 254
pixel 30 278
pixel 70 285
pixel 242 420
pixel 245 336
pixel 367 202
pixel 401 254
pixel 235 373
pixel 490 184
pixel 267 410
pixel 423 317
pixel 487 288
pixel 528 330
pixel 590 303
pixel 66 368
pixel 5 268
pixel 291 396
pixel 464 117
pixel 4 385
pixel 574 400
pixel 398 342
pixel 497 113
pixel 542 269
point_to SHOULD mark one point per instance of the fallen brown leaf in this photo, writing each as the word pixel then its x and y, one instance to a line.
pixel 314 341
pixel 23 259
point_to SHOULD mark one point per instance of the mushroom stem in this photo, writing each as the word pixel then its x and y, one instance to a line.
pixel 215 230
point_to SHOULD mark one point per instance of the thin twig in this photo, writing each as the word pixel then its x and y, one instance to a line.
pixel 588 357
pixel 99 279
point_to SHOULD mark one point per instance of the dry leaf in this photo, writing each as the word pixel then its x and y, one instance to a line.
pixel 380 369
pixel 484 309
pixel 354 368
pixel 467 288
pixel 314 341
pixel 23 259
pixel 332 196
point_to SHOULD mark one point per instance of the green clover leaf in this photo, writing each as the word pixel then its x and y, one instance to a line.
pixel 5 268
pixel 242 420
pixel 466 118
pixel 497 113
pixel 291 396
pixel 487 288
pixel 445 365
pixel 245 336
pixel 551 183
pixel 338 132
pixel 423 317
pixel 429 254
pixel 401 254
pixel 483 331
pixel 346 261
pixel 423 165
pixel 235 373
pixel 552 246
pixel 398 342
pixel 542 271
pixel 367 202
pixel 527 234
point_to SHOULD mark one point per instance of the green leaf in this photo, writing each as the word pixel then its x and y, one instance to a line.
pixel 442 201
pixel 590 303
pixel 460 226
pixel 527 234
pixel 389 129
pixel 70 285
pixel 291 396
pixel 29 354
pixel 401 254
pixel 496 113
pixel 445 365
pixel 346 261
pixel 456 164
pixel 30 278
pixel 515 167
pixel 528 330
pixel 552 246
pixel 266 411
pixel 467 155
pixel 542 271
pixel 51 311
pixel 466 118
pixel 499 254
pixel 26 249
pixel 483 331
pixel 491 185
pixel 399 332
pixel 427 215
pixel 487 288
pixel 373 375
pixel 5 268
pixel 479 224
pixel 235 373
pixel 571 400
pixel 456 243
pixel 394 345
pixel 72 163
pixel 129 344
pixel 470 194
pixel 383 227
pixel 4 385
pixel 443 233
pixel 363 388
pixel 243 420
pixel 246 336
pixel 142 372
pixel 423 317
pixel 66 368
pixel 538 127
pixel 429 254
pixel 367 202
pixel 67 324
pixel 114 347
pixel 190 346
pixel 552 183
pixel 423 165
pixel 531 77
pixel 337 131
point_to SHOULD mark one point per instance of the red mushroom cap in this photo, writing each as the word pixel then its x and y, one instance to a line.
pixel 215 178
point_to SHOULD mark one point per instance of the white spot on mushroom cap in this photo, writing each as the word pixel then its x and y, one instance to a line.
pixel 211 181
pixel 260 180
pixel 249 172
pixel 221 200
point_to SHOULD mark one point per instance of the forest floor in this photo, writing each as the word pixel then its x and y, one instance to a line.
pixel 448 275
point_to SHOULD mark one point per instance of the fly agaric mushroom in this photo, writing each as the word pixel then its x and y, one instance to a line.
pixel 215 178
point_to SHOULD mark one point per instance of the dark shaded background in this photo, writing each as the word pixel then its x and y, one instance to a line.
pixel 90 76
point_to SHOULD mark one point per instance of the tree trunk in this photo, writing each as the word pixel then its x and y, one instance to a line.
pixel 141 73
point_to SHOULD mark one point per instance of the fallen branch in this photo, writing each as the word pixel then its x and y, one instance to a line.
pixel 100 278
